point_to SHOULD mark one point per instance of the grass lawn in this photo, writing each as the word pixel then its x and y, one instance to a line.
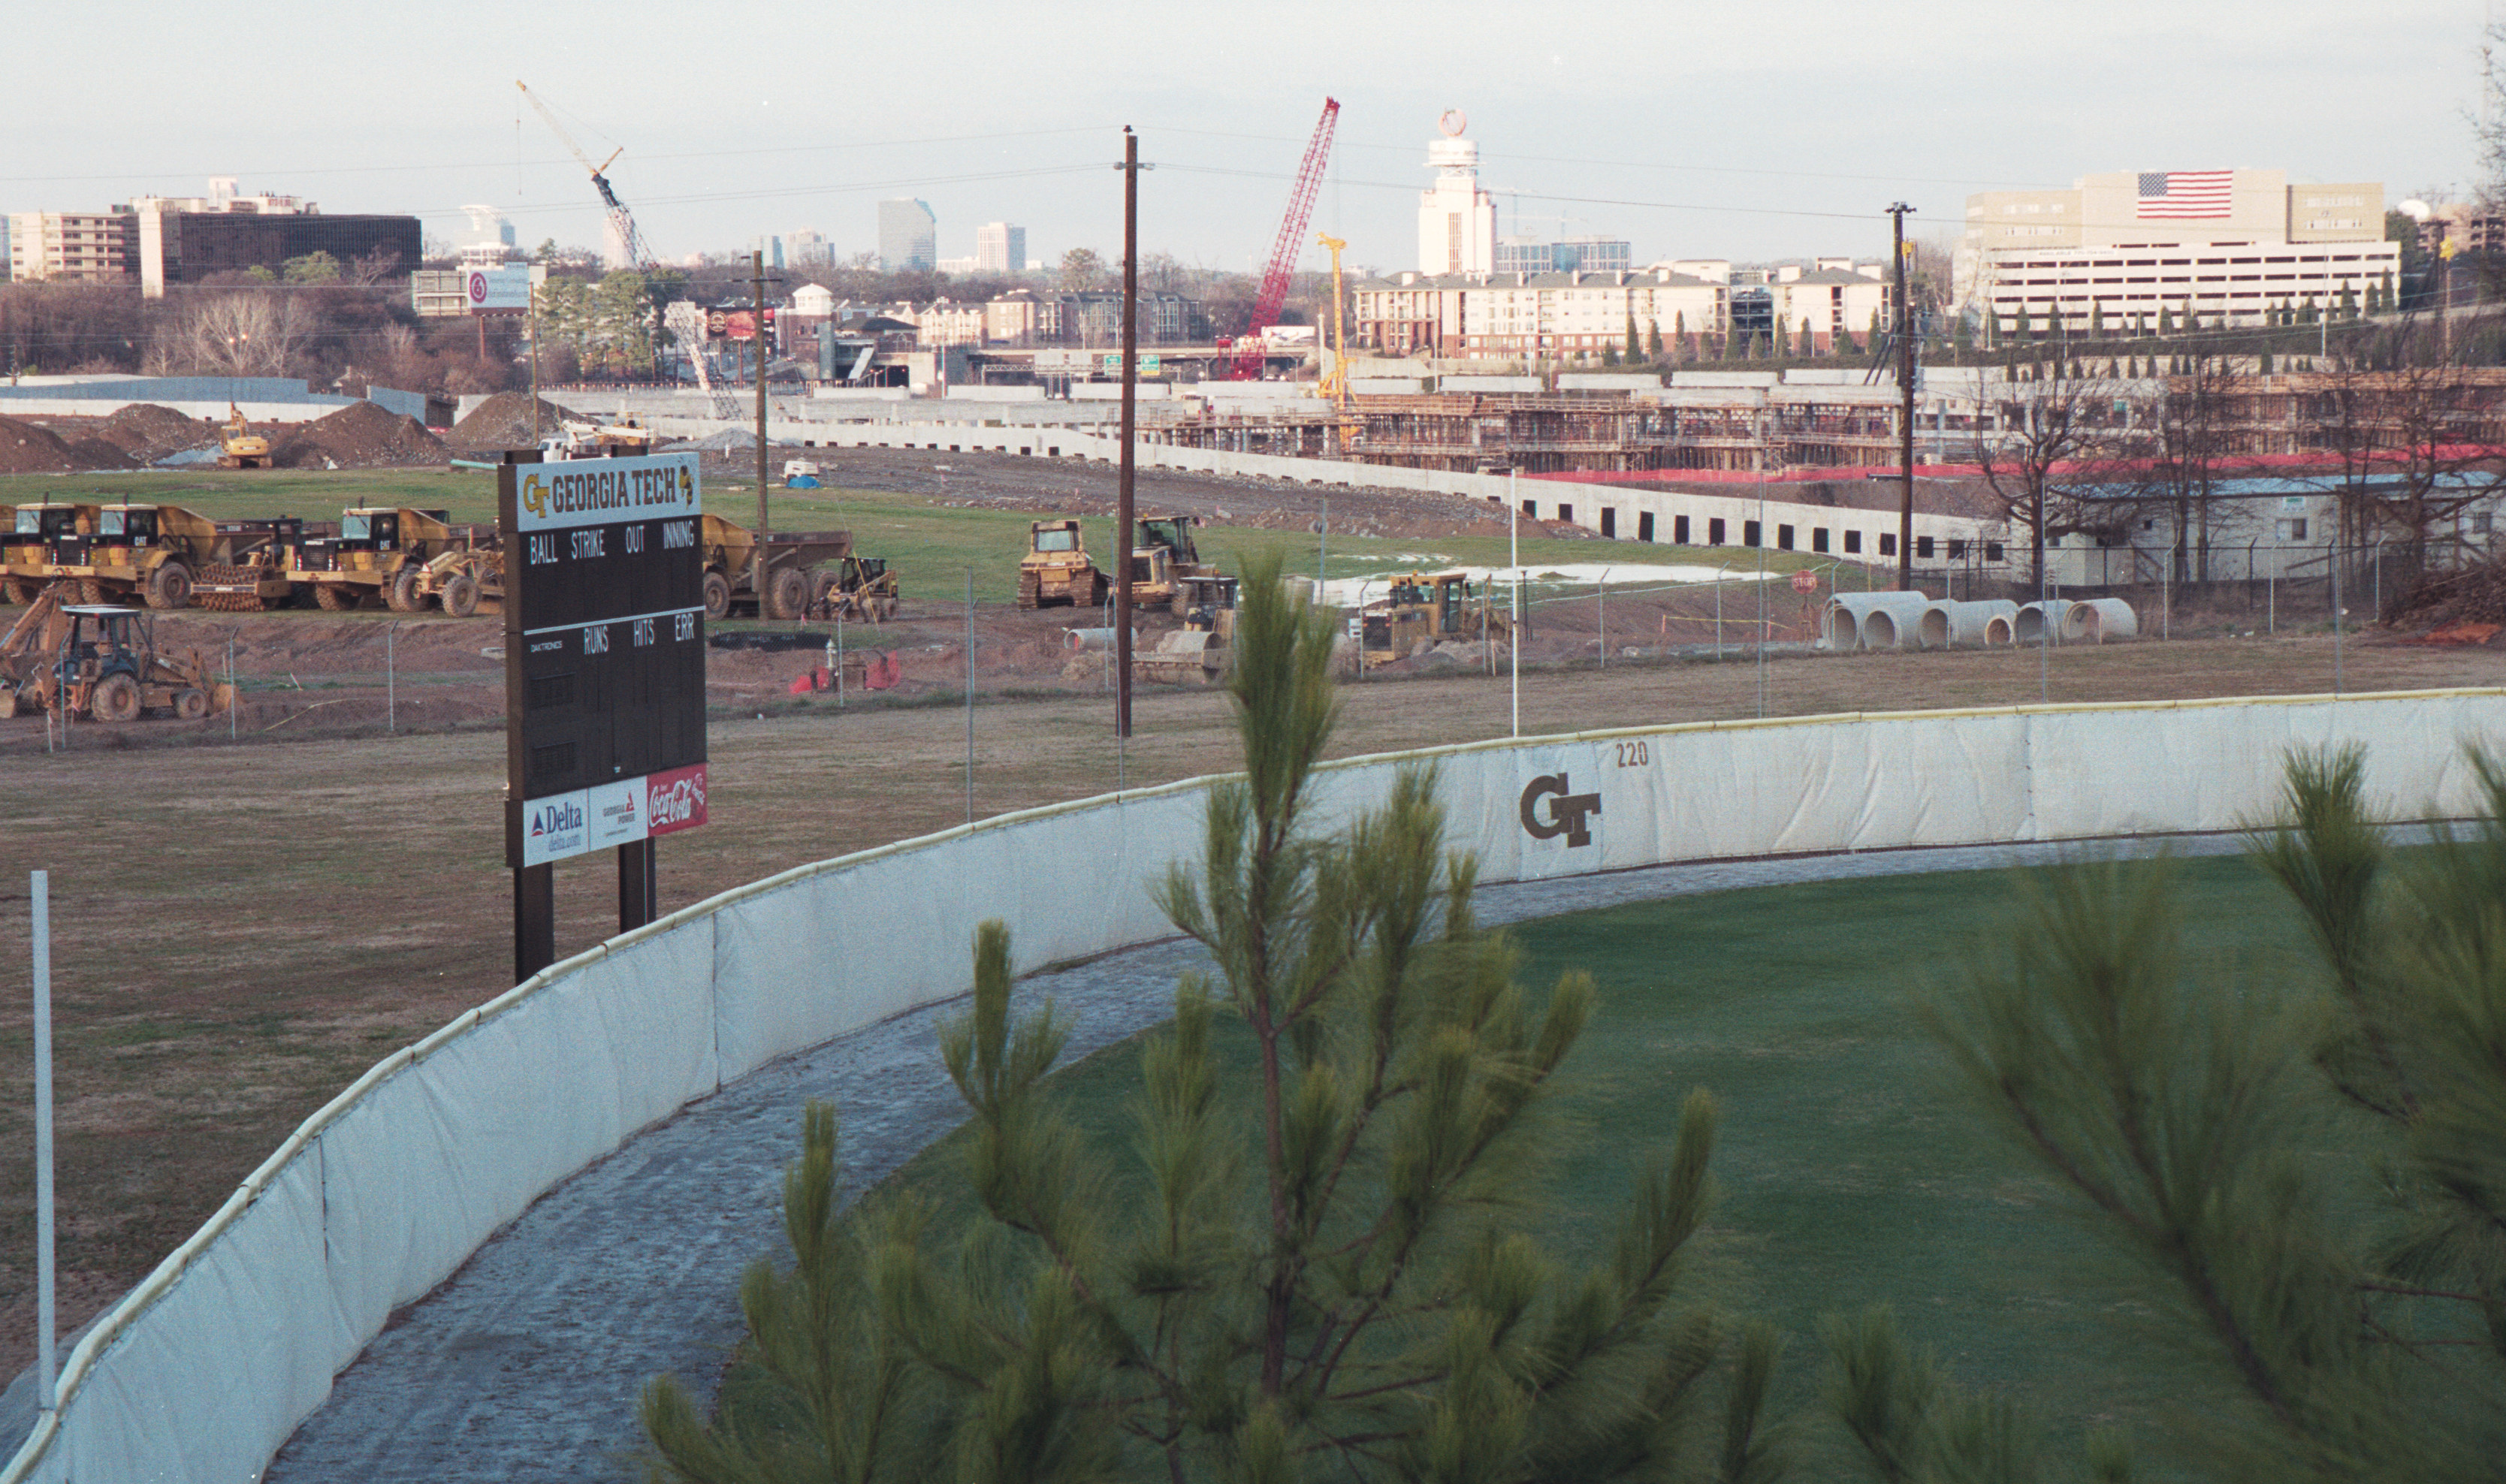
pixel 1852 1171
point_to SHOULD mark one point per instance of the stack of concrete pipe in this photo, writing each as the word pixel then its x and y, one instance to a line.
pixel 1872 620
pixel 1955 626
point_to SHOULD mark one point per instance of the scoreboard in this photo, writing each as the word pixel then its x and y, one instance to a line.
pixel 604 653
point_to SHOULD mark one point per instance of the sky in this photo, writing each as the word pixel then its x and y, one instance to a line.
pixel 1691 130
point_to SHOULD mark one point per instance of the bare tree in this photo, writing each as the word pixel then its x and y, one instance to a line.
pixel 2410 451
pixel 2053 466
pixel 239 334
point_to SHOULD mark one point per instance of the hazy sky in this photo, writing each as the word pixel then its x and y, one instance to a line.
pixel 1691 129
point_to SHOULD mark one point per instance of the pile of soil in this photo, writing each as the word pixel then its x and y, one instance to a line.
pixel 95 453
pixel 504 421
pixel 25 448
pixel 148 432
pixel 358 435
pixel 2453 602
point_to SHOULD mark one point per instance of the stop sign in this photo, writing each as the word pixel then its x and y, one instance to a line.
pixel 1804 582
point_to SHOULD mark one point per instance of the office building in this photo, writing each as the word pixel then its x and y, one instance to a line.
pixel 909 236
pixel 1584 315
pixel 157 240
pixel 1000 248
pixel 2117 249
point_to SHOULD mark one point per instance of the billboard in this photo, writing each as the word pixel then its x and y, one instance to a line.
pixel 604 653
pixel 497 291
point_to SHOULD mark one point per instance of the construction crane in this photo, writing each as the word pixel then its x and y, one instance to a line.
pixel 1289 243
pixel 629 238
pixel 1334 382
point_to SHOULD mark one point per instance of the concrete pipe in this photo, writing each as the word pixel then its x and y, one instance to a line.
pixel 1963 626
pixel 1880 620
pixel 2098 620
pixel 1089 638
pixel 2027 624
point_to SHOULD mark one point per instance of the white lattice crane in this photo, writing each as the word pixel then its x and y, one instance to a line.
pixel 630 239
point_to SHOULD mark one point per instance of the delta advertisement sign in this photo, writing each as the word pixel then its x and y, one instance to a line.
pixel 619 813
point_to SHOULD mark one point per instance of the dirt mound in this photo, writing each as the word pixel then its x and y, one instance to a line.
pixel 25 448
pixel 358 435
pixel 2474 595
pixel 504 421
pixel 148 432
pixel 92 453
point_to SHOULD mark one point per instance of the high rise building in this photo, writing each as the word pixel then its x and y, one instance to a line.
pixel 2118 250
pixel 1456 219
pixel 1000 248
pixel 908 235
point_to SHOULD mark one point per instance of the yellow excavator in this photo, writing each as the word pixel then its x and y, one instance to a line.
pixel 238 447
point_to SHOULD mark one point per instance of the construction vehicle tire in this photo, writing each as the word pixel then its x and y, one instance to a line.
pixel 170 587
pixel 402 595
pixel 91 589
pixel 787 594
pixel 1031 590
pixel 191 704
pixel 460 595
pixel 716 597
pixel 8 701
pixel 334 597
pixel 16 592
pixel 114 698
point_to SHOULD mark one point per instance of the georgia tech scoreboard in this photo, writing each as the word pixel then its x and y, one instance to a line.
pixel 604 653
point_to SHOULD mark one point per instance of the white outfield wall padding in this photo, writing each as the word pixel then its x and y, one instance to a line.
pixel 205 1369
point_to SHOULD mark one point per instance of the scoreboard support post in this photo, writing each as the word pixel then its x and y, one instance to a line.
pixel 638 892
pixel 604 676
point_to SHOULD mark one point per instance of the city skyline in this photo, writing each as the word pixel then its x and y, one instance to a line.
pixel 1692 132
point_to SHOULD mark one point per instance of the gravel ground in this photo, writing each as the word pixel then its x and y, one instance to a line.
pixel 528 1361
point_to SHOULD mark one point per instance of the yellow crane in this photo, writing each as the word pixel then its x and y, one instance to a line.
pixel 1335 382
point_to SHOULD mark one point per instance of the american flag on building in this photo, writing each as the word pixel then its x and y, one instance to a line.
pixel 2175 196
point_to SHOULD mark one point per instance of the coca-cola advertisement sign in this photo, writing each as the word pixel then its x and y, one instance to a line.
pixel 675 801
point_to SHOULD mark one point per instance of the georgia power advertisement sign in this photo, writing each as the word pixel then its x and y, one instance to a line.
pixel 613 814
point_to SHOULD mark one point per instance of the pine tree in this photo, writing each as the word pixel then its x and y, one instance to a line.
pixel 2166 321
pixel 2348 303
pixel 1652 341
pixel 2307 1169
pixel 2024 331
pixel 2096 321
pixel 1318 1267
pixel 1636 348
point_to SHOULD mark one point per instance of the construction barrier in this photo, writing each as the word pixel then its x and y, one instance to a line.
pixel 205 1369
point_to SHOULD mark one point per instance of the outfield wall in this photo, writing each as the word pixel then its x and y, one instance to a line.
pixel 207 1367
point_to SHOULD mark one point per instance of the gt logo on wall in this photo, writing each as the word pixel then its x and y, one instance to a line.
pixel 1567 812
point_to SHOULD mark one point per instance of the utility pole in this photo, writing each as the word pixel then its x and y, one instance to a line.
pixel 1131 169
pixel 757 288
pixel 1905 411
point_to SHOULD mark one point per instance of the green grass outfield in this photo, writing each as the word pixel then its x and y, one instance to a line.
pixel 931 544
pixel 1850 1168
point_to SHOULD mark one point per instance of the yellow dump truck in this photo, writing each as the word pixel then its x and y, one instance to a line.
pixel 796 570
pixel 29 539
pixel 408 560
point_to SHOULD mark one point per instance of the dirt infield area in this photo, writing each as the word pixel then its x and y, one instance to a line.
pixel 241 929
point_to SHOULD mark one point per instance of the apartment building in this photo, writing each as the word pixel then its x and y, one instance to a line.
pixel 2117 249
pixel 80 247
pixel 1524 316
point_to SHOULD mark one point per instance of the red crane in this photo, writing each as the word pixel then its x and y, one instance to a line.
pixel 1290 242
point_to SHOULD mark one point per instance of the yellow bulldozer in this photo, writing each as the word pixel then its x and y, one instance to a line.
pixel 1427 607
pixel 238 447
pixel 1057 569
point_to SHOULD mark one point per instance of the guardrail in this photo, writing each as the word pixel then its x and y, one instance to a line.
pixel 203 1371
